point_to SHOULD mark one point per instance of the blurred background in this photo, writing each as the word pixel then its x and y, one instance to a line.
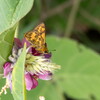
pixel 76 19
pixel 69 23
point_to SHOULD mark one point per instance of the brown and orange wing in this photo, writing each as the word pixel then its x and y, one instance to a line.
pixel 37 38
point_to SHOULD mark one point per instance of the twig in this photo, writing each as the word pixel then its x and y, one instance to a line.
pixel 90 17
pixel 44 9
pixel 72 16
pixel 56 10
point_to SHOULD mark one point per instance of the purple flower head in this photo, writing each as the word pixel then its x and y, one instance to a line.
pixel 37 65
pixel 20 44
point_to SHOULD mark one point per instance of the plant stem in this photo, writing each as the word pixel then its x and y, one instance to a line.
pixel 72 16
pixel 90 17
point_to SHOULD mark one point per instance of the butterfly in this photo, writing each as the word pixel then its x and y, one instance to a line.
pixel 37 38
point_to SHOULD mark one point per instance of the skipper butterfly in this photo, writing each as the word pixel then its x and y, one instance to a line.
pixel 37 38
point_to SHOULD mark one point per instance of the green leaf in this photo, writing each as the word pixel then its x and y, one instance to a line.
pixel 18 83
pixel 6 42
pixel 47 89
pixel 79 76
pixel 11 11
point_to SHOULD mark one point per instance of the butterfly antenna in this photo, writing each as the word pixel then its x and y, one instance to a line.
pixel 52 50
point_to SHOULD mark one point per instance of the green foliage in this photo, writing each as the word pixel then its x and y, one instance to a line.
pixel 8 96
pixel 12 11
pixel 6 42
pixel 89 13
pixel 50 90
pixel 18 83
pixel 79 77
pixel 95 5
pixel 79 74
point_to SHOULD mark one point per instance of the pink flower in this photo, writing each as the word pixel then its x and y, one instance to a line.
pixel 45 76
pixel 37 65
pixel 31 82
pixel 8 73
pixel 7 68
pixel 20 43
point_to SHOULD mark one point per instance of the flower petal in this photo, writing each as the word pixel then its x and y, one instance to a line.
pixel 18 42
pixel 45 76
pixel 30 82
pixel 47 55
pixel 7 68
pixel 25 41
pixel 35 83
pixel 35 53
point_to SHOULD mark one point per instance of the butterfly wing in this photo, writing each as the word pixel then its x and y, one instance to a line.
pixel 37 38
